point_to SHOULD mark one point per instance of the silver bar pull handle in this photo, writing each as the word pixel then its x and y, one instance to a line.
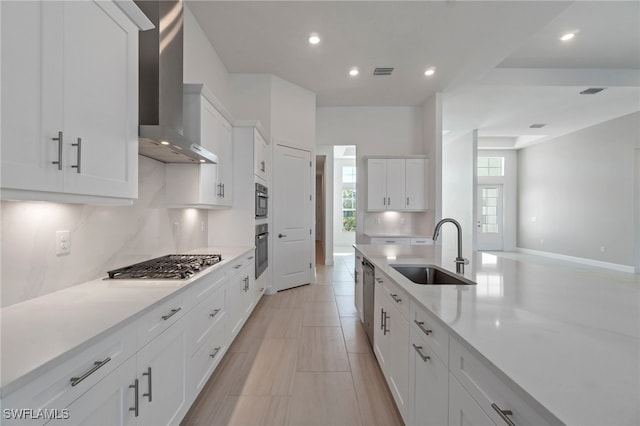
pixel 407 200
pixel 503 414
pixel 59 140
pixel 136 401
pixel 223 190
pixel 96 365
pixel 250 257
pixel 381 319
pixel 171 313
pixel 420 325
pixel 388 201
pixel 418 349
pixel 263 166
pixel 384 201
pixel 78 155
pixel 215 352
pixel 386 317
pixel 379 280
pixel 395 298
pixel 148 374
pixel 214 313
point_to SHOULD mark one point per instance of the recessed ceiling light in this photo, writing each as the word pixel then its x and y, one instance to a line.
pixel 314 38
pixel 568 36
pixel 431 71
pixel 202 161
pixel 164 142
pixel 354 72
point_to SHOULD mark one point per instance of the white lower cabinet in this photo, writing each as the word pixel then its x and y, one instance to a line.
pixel 428 384
pixel 463 410
pixel 161 374
pixel 112 402
pixel 359 285
pixel 241 294
pixel 391 344
pixel 434 377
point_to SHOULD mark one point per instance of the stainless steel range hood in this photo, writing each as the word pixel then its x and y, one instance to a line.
pixel 160 87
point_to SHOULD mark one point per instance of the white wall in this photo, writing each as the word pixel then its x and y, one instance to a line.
pixel 252 98
pixel 201 62
pixel 431 112
pixel 102 238
pixel 293 115
pixel 327 151
pixel 509 184
pixel 458 192
pixel 374 131
pixel 580 190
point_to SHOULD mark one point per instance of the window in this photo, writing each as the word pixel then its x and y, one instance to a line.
pixel 348 175
pixel 348 209
pixel 490 166
pixel 490 210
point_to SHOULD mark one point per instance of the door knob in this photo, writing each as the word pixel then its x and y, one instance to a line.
pixel 281 235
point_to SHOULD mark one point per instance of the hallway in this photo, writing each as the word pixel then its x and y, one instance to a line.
pixel 302 358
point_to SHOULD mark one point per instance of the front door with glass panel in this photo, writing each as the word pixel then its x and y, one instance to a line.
pixel 489 222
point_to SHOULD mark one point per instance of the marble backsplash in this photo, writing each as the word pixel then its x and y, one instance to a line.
pixel 101 237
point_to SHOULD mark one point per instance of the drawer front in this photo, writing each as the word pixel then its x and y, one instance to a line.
pixel 206 358
pixel 204 318
pixel 240 262
pixel 391 240
pixel 421 241
pixel 491 392
pixel 463 410
pixel 435 335
pixel 206 286
pixel 160 318
pixel 58 387
pixel 399 296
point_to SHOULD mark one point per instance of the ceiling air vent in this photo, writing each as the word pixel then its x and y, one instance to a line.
pixel 382 71
pixel 592 91
pixel 537 126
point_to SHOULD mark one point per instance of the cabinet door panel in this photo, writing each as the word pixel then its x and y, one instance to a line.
pixel 415 184
pixel 165 355
pixel 399 353
pixel 429 385
pixel 108 403
pixel 395 184
pixel 99 51
pixel 463 410
pixel 377 184
pixel 31 98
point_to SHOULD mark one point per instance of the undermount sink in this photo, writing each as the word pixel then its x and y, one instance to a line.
pixel 431 275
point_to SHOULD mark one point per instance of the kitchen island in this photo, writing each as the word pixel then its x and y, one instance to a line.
pixel 564 336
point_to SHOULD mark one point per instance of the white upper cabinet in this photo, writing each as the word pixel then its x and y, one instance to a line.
pixel 69 101
pixel 261 156
pixel 206 123
pixel 396 184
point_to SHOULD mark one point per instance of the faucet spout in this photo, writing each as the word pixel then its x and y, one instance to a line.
pixel 460 261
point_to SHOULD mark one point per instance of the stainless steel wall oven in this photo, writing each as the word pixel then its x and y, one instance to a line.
pixel 262 200
pixel 262 248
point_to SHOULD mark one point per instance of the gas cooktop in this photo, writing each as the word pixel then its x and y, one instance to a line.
pixel 169 267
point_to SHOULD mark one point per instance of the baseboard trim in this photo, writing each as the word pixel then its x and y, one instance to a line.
pixel 582 260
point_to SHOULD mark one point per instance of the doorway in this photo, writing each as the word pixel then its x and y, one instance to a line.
pixel 320 208
pixel 345 199
pixel 490 223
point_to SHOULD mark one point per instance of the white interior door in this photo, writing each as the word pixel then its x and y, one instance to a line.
pixel 292 217
pixel 489 224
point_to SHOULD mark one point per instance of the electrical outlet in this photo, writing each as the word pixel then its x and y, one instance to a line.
pixel 63 243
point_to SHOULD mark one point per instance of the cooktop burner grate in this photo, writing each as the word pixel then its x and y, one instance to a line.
pixel 169 267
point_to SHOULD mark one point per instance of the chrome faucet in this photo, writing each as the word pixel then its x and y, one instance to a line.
pixel 460 261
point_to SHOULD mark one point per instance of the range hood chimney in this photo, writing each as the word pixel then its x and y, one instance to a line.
pixel 160 87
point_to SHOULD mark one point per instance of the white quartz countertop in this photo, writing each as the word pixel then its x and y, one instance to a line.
pixel 39 333
pixel 568 335
pixel 395 235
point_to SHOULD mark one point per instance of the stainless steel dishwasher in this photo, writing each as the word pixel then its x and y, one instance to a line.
pixel 368 289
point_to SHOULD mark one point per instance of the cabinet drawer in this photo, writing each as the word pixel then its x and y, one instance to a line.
pixel 204 318
pixel 391 240
pixel 160 318
pixel 58 387
pixel 206 286
pixel 240 262
pixel 206 358
pixel 421 241
pixel 399 296
pixel 491 392
pixel 463 410
pixel 435 335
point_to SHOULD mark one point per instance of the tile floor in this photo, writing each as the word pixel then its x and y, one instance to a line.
pixel 302 358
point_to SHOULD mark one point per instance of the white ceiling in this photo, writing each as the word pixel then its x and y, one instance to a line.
pixel 500 65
